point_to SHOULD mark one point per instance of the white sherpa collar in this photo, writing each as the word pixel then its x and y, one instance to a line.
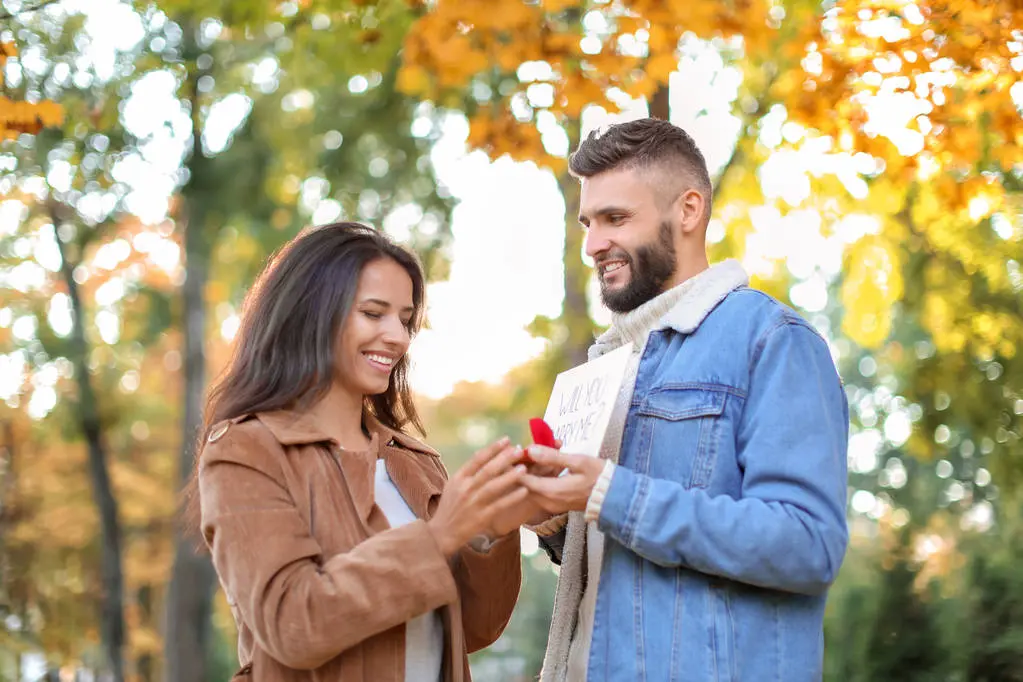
pixel 703 293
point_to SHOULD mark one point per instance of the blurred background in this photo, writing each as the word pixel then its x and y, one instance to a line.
pixel 868 166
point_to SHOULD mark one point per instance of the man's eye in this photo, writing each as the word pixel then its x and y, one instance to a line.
pixel 617 219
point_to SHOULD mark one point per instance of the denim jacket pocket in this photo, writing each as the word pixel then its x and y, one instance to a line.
pixel 685 427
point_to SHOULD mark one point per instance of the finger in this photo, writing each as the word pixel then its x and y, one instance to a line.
pixel 548 487
pixel 542 470
pixel 500 485
pixel 557 444
pixel 549 505
pixel 484 455
pixel 500 463
pixel 555 459
pixel 506 503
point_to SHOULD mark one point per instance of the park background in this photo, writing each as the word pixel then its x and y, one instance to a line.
pixel 867 157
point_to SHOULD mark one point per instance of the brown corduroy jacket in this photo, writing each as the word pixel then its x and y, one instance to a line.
pixel 319 585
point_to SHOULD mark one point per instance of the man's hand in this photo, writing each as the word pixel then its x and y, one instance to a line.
pixel 528 511
pixel 569 492
pixel 515 514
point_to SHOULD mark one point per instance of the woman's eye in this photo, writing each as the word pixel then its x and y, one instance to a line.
pixel 372 316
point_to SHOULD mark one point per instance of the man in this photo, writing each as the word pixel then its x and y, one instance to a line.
pixel 701 544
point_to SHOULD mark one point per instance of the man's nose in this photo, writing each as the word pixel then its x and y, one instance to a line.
pixel 595 242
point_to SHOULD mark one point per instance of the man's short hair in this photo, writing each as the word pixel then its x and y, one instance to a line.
pixel 644 144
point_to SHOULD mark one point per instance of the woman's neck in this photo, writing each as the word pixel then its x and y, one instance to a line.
pixel 339 415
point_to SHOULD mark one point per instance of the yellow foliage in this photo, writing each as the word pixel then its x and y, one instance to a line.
pixel 555 6
pixel 887 197
pixel 413 80
pixel 872 285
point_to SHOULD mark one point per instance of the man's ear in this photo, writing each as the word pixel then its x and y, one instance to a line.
pixel 691 206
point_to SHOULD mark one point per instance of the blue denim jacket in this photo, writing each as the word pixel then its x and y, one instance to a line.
pixel 725 519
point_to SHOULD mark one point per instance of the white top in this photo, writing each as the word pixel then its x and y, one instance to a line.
pixel 424 635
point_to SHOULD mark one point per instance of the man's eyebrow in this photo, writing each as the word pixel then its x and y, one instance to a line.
pixel 603 211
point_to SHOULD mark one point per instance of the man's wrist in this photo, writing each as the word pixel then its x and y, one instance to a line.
pixel 550 526
pixel 599 492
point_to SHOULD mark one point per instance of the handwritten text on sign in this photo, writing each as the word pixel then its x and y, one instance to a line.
pixel 582 400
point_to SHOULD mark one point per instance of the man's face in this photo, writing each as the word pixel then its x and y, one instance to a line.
pixel 629 237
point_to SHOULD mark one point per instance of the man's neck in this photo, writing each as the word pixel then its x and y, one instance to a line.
pixel 689 268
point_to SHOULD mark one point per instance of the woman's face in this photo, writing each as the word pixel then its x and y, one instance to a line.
pixel 376 334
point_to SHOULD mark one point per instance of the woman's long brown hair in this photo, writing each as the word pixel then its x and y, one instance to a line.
pixel 283 356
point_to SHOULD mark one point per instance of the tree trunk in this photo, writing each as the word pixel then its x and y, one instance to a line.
pixel 575 313
pixel 112 600
pixel 144 663
pixel 6 511
pixel 660 106
pixel 190 594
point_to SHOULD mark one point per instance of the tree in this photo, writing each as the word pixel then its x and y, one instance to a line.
pixel 924 95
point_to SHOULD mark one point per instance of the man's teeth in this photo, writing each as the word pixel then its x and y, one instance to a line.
pixel 613 266
pixel 383 360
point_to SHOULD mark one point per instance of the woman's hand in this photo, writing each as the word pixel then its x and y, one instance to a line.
pixel 527 512
pixel 523 512
pixel 480 497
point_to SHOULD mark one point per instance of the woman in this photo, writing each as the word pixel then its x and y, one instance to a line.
pixel 344 551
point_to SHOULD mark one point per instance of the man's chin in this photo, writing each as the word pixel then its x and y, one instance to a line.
pixel 617 300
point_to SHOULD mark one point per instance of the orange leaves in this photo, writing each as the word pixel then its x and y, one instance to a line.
pixel 959 61
pixel 660 66
pixel 555 6
pixel 449 46
pixel 632 48
pixel 500 134
pixel 24 117
pixel 577 92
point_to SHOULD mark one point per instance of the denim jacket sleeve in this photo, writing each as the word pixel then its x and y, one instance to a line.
pixel 787 530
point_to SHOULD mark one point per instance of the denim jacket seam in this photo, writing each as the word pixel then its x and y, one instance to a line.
pixel 761 342
pixel 636 506
pixel 697 385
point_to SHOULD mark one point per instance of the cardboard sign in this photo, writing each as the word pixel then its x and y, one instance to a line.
pixel 582 399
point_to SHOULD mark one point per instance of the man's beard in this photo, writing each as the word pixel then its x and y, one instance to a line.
pixel 651 268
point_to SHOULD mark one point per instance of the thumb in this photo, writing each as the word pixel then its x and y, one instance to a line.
pixel 550 457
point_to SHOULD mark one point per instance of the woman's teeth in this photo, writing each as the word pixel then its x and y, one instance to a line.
pixel 383 360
